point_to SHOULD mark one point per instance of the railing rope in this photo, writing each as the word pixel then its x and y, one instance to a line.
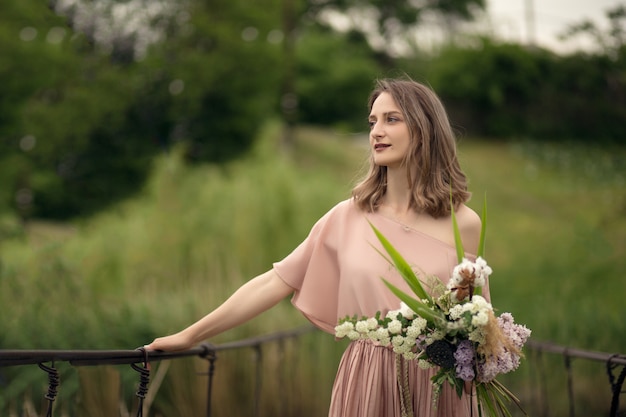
pixel 616 383
pixel 144 380
pixel 53 383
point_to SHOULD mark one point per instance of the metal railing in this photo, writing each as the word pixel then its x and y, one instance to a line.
pixel 612 361
pixel 615 364
pixel 139 359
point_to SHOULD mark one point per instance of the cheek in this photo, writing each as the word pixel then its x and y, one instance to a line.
pixel 370 139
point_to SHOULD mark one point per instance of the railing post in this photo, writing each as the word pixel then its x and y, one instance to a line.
pixel 212 357
pixel 541 388
pixel 570 382
pixel 258 357
pixel 616 384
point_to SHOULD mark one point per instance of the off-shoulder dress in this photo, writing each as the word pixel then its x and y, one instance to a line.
pixel 336 272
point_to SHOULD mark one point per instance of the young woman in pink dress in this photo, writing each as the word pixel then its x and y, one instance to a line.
pixel 336 271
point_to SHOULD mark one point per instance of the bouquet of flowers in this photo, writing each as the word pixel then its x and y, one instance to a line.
pixel 454 329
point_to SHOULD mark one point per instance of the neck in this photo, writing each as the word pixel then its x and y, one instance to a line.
pixel 397 195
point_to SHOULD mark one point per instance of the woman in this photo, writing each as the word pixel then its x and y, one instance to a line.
pixel 336 272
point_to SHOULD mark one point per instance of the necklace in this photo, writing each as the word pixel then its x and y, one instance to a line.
pixel 405 227
pixel 394 219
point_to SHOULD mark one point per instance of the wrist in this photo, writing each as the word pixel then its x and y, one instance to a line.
pixel 188 338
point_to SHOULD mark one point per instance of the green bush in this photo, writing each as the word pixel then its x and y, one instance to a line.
pixel 502 90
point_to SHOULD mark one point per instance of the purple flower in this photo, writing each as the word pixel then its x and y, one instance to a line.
pixel 518 334
pixel 503 363
pixel 464 356
pixel 466 373
pixel 465 353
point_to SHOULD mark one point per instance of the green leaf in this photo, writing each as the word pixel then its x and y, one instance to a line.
pixel 416 305
pixel 459 385
pixel 458 243
pixel 483 229
pixel 403 267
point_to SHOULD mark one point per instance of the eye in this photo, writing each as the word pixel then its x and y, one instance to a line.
pixel 371 123
pixel 392 119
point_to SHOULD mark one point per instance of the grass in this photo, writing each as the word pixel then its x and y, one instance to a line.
pixel 556 236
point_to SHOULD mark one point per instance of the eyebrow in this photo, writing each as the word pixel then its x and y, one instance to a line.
pixel 387 113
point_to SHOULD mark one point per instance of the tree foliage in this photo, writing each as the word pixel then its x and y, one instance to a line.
pixel 335 75
pixel 386 22
pixel 513 90
pixel 90 91
pixel 86 114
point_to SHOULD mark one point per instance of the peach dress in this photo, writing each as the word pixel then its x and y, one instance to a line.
pixel 336 272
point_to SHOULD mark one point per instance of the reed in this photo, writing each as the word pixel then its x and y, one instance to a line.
pixel 166 257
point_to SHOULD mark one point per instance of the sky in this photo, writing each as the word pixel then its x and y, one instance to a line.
pixel 551 17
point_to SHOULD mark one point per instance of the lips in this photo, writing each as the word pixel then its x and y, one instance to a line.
pixel 380 146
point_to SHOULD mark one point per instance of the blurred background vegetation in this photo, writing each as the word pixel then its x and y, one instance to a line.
pixel 155 155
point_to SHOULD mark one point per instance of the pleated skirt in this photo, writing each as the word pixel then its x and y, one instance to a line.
pixel 370 383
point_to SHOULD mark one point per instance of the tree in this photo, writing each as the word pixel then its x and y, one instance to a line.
pixel 387 23
pixel 105 105
pixel 336 73
pixel 610 42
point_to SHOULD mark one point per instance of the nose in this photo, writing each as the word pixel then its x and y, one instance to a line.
pixel 376 130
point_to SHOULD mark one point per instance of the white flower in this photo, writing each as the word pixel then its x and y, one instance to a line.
pixel 362 326
pixel 395 326
pixel 409 342
pixel 424 364
pixel 480 302
pixel 481 272
pixel 416 328
pixel 353 335
pixel 479 269
pixel 471 307
pixel 419 323
pixel 455 325
pixel 480 319
pixel 381 335
pixel 397 341
pixel 456 279
pixel 393 314
pixel 343 329
pixel 372 323
pixel 456 311
pixel 437 334
pixel 406 311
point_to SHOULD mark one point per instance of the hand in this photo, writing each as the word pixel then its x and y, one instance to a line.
pixel 177 341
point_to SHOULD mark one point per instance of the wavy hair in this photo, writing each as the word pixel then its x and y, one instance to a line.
pixel 432 168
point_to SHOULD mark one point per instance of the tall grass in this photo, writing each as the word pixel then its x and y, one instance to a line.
pixel 154 264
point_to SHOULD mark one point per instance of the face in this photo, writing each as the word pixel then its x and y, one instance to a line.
pixel 389 134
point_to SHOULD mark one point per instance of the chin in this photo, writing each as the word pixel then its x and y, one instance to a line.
pixel 386 163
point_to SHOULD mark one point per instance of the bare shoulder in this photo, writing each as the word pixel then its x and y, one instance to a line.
pixel 469 225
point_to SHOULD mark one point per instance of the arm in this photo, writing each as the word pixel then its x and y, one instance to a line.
pixel 250 300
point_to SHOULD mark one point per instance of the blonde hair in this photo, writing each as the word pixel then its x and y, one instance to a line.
pixel 432 168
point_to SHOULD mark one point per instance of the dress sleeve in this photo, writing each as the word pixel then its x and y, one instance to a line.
pixel 312 270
